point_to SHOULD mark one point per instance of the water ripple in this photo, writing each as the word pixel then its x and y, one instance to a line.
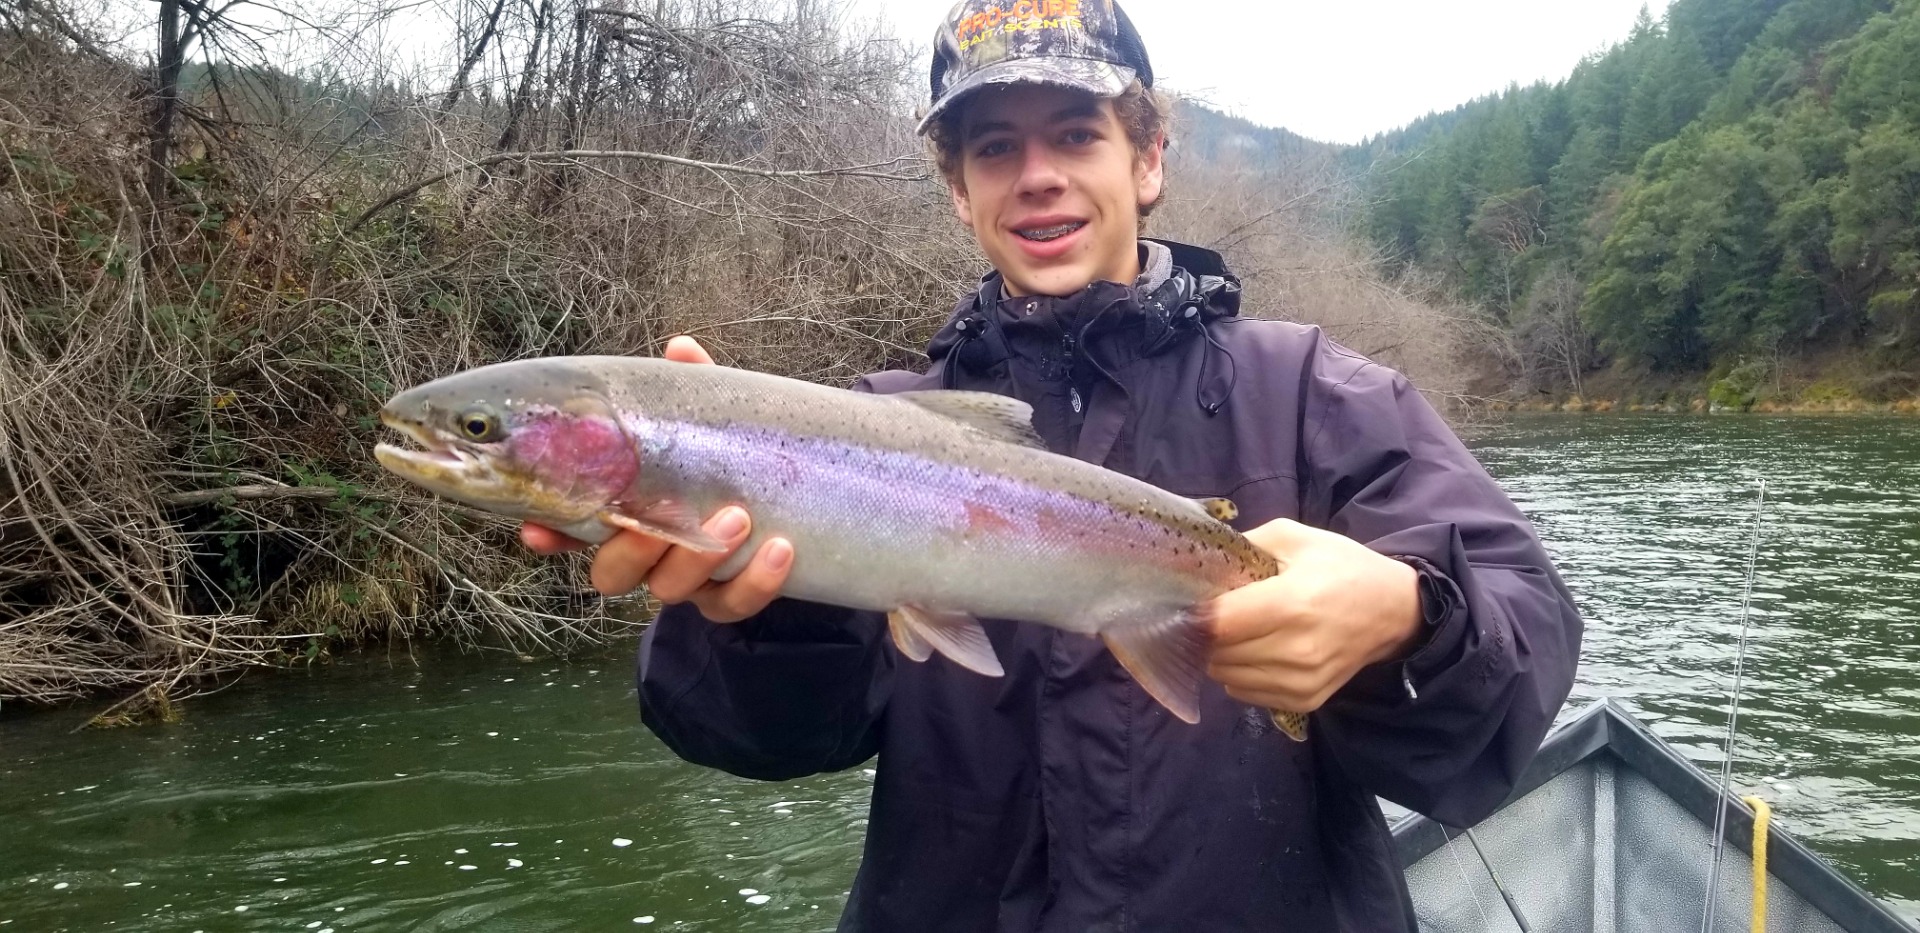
pixel 1650 518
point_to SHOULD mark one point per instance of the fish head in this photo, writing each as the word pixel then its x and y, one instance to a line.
pixel 535 439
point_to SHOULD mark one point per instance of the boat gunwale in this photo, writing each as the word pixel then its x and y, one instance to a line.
pixel 1605 727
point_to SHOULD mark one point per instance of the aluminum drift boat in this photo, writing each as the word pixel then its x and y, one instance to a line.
pixel 1611 831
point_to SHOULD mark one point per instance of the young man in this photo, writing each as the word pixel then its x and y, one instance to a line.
pixel 1417 618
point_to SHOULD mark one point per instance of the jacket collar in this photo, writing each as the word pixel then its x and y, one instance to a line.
pixel 1112 320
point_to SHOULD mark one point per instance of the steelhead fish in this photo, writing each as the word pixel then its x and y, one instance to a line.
pixel 937 508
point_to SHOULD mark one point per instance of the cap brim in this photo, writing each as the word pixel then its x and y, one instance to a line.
pixel 1101 79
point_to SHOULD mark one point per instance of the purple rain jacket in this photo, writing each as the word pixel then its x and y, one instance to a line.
pixel 1060 797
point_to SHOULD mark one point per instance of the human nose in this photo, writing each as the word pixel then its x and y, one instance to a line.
pixel 1039 172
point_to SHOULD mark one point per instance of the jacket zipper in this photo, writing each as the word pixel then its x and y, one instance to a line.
pixel 1073 391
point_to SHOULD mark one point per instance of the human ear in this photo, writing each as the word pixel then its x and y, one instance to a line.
pixel 962 207
pixel 1149 171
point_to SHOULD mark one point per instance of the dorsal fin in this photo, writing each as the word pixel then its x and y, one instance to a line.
pixel 997 416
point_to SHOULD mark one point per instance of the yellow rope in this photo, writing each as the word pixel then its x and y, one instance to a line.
pixel 1762 815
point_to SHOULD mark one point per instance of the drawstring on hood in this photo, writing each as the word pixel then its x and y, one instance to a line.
pixel 1233 371
pixel 967 329
pixel 1182 302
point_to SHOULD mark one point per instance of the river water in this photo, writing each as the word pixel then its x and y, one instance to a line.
pixel 381 793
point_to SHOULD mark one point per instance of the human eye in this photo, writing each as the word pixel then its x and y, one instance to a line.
pixel 1079 136
pixel 993 147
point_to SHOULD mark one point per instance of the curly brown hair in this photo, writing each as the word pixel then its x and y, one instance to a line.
pixel 1146 113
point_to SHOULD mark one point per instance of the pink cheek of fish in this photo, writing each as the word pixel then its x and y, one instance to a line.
pixel 585 455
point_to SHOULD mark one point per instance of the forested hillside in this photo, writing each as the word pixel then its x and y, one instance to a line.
pixel 1729 193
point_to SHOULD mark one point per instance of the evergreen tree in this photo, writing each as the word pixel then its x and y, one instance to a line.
pixel 1741 177
pixel 1876 224
pixel 1722 29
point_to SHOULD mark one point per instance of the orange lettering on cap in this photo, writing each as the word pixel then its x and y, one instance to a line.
pixel 1022 16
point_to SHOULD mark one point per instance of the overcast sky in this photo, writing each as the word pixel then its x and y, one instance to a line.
pixel 1340 70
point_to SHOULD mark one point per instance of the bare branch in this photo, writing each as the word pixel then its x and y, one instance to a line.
pixel 574 155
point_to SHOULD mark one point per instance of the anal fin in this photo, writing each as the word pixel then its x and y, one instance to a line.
pixel 919 632
pixel 1168 658
pixel 669 520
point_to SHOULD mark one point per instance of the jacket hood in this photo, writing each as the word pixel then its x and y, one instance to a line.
pixel 1199 290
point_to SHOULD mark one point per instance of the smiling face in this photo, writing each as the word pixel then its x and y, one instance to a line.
pixel 1052 188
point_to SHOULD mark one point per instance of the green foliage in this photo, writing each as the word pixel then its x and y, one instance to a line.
pixel 1739 179
pixel 1723 30
pixel 1876 208
pixel 1740 387
pixel 1828 393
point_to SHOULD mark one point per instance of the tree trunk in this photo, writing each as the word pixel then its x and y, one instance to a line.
pixel 474 55
pixel 583 85
pixel 166 101
pixel 523 95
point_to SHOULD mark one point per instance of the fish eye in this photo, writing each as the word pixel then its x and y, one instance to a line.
pixel 479 426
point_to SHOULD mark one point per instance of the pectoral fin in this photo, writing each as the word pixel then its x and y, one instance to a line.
pixel 1293 724
pixel 1168 658
pixel 919 632
pixel 907 638
pixel 668 519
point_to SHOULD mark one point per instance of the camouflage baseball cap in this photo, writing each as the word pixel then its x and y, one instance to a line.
pixel 1087 45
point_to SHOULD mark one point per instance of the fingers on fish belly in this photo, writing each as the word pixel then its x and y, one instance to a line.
pixel 918 633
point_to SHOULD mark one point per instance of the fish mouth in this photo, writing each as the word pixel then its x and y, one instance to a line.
pixel 491 480
pixel 434 463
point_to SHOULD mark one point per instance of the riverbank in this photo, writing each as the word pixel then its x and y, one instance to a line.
pixel 1702 405
pixel 1831 382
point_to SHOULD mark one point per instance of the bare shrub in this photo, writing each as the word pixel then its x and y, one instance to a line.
pixel 1555 345
pixel 186 486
